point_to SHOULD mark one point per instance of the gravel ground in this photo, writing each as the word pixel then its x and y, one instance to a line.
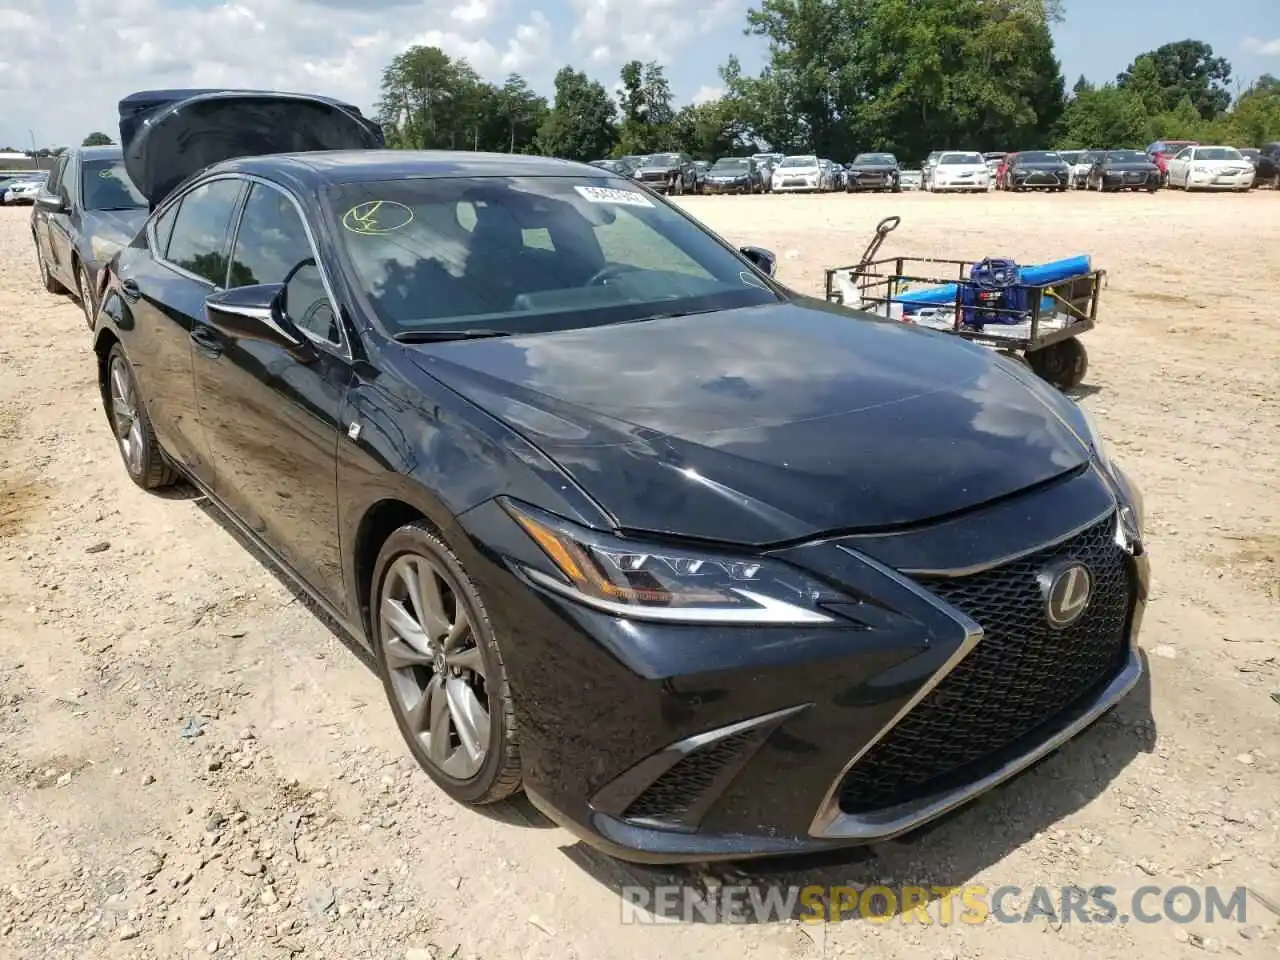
pixel 193 764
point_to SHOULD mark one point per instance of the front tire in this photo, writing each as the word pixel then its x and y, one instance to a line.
pixel 131 425
pixel 441 668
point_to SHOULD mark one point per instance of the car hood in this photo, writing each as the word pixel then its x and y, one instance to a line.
pixel 872 168
pixel 118 226
pixel 168 135
pixel 728 174
pixel 954 168
pixel 1040 165
pixel 768 423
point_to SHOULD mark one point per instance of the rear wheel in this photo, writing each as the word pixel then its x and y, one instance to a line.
pixel 441 668
pixel 129 421
pixel 1063 364
pixel 85 292
pixel 47 279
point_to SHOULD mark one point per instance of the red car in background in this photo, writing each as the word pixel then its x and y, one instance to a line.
pixel 1162 151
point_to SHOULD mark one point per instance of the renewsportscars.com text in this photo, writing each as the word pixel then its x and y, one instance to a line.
pixel 934 905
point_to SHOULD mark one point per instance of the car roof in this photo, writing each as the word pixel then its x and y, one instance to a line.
pixel 318 168
pixel 108 152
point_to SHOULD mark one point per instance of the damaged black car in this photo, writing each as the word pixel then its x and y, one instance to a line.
pixel 709 568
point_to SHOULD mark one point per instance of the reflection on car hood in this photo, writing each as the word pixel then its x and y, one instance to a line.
pixel 872 168
pixel 1040 164
pixel 766 423
pixel 1142 165
pixel 118 226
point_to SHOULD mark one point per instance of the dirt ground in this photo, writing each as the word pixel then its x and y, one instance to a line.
pixel 191 764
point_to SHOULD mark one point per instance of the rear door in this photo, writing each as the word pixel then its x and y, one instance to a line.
pixel 165 293
pixel 271 420
pixel 42 219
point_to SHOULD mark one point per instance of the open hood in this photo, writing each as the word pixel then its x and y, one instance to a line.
pixel 168 135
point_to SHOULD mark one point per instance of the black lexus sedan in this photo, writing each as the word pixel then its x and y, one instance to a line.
pixel 734 175
pixel 873 171
pixel 1123 170
pixel 86 211
pixel 710 568
pixel 1037 170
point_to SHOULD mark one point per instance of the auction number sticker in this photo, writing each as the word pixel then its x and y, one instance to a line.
pixel 627 198
pixel 374 217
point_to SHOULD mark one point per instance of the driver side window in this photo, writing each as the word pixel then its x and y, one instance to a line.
pixel 270 243
pixel 1184 155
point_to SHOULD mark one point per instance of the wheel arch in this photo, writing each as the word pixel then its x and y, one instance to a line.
pixel 103 341
pixel 379 521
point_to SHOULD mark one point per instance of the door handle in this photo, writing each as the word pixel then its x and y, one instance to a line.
pixel 206 342
pixel 130 289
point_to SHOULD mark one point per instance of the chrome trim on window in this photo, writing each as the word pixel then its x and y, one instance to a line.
pixel 341 347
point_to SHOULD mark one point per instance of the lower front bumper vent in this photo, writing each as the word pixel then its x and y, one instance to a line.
pixel 1008 693
pixel 675 797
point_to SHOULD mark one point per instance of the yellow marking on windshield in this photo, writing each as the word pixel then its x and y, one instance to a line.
pixel 374 217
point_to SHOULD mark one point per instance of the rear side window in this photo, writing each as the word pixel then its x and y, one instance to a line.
pixel 198 237
pixel 55 178
pixel 163 229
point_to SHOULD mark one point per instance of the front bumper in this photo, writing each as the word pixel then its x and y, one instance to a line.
pixel 797 184
pixel 980 184
pixel 870 181
pixel 1040 179
pixel 1212 181
pixel 711 186
pixel 663 743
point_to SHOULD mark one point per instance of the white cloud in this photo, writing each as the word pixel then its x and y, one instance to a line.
pixel 615 31
pixel 64 70
pixel 1267 48
pixel 706 93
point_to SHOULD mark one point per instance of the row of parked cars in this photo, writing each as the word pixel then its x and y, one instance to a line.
pixel 678 173
pixel 20 186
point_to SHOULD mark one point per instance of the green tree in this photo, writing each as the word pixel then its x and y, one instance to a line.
pixel 581 124
pixel 646 104
pixel 1105 117
pixel 521 111
pixel 97 139
pixel 709 130
pixel 1186 70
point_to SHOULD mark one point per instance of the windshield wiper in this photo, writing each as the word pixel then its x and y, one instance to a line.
pixel 435 336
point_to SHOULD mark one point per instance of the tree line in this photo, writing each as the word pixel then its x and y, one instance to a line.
pixel 842 77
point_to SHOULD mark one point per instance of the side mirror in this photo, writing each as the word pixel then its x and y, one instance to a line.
pixel 765 260
pixel 257 312
pixel 51 203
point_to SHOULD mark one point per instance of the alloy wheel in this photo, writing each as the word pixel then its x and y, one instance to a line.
pixel 124 415
pixel 437 672
pixel 86 296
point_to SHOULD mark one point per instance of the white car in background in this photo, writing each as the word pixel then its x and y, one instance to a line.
pixel 911 179
pixel 930 162
pixel 23 191
pixel 799 174
pixel 1081 163
pixel 960 170
pixel 1211 168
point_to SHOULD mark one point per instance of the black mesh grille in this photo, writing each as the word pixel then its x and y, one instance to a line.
pixel 674 794
pixel 1009 691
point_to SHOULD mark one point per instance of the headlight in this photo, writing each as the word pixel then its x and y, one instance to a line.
pixel 652 581
pixel 105 248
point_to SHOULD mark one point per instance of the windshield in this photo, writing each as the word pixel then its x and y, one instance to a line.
pixel 1072 156
pixel 876 159
pixel 1251 152
pixel 1039 156
pixel 106 186
pixel 518 254
pixel 1127 156
pixel 730 165
pixel 663 160
pixel 1218 153
pixel 950 159
pixel 799 162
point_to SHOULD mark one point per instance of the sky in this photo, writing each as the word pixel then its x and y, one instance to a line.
pixel 64 64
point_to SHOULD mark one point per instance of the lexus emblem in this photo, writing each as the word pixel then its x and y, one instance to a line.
pixel 1067 590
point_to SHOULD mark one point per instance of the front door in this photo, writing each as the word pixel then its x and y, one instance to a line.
pixel 270 420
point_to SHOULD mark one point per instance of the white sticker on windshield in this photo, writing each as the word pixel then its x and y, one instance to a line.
pixel 627 198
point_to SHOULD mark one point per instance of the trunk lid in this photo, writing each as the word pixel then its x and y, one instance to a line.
pixel 168 135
